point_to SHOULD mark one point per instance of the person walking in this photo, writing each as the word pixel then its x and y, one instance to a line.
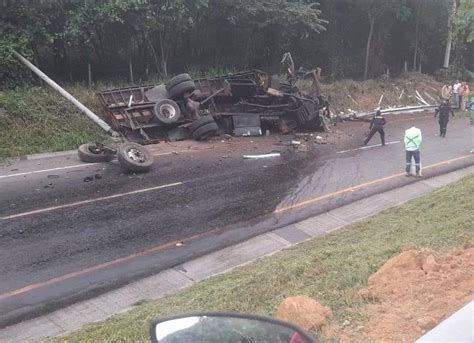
pixel 444 110
pixel 376 125
pixel 412 141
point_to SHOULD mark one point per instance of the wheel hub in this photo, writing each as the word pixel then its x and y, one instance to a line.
pixel 136 155
pixel 168 111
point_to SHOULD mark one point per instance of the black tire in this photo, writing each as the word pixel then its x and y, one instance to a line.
pixel 177 80
pixel 167 111
pixel 177 92
pixel 206 131
pixel 201 122
pixel 134 158
pixel 91 153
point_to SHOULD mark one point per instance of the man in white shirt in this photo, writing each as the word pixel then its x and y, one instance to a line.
pixel 456 88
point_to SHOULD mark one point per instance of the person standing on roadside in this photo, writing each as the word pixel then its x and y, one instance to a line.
pixel 444 110
pixel 446 92
pixel 376 125
pixel 412 141
pixel 456 99
pixel 464 93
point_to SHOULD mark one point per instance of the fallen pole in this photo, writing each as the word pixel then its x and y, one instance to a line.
pixel 68 96
pixel 394 110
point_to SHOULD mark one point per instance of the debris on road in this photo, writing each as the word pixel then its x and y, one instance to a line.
pixel 302 148
pixel 88 179
pixel 262 156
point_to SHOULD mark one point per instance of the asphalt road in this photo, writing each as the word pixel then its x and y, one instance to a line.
pixel 63 239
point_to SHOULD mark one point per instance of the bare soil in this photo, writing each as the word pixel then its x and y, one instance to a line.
pixel 410 294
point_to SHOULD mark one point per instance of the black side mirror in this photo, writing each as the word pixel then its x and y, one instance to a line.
pixel 216 327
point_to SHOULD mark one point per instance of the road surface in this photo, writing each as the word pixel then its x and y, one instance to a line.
pixel 63 239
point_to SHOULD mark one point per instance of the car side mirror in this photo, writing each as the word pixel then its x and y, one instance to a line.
pixel 225 328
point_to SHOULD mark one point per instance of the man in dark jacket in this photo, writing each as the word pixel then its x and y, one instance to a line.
pixel 376 125
pixel 444 110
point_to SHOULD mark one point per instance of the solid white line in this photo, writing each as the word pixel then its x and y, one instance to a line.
pixel 47 170
pixel 366 147
pixel 48 209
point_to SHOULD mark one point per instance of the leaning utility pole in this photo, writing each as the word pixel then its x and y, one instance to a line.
pixel 68 96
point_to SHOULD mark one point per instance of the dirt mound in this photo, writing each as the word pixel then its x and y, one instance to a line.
pixel 413 292
pixel 304 312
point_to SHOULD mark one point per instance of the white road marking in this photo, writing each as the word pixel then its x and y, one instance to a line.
pixel 82 165
pixel 48 209
pixel 366 147
pixel 47 170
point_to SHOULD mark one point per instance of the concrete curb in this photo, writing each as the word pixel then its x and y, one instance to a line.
pixel 169 281
pixel 47 155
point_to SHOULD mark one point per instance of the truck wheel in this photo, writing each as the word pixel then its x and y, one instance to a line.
pixel 177 80
pixel 177 92
pixel 205 131
pixel 134 158
pixel 200 122
pixel 91 153
pixel 167 111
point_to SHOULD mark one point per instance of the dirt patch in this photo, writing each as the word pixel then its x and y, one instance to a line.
pixel 412 293
pixel 304 312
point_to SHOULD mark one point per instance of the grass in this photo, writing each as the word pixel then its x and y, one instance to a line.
pixel 34 120
pixel 331 269
pixel 462 114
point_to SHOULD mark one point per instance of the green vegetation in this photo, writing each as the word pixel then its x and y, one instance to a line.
pixel 330 269
pixel 346 38
pixel 39 120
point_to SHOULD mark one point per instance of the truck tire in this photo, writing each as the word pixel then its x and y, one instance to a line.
pixel 205 131
pixel 177 92
pixel 91 153
pixel 177 80
pixel 134 158
pixel 167 111
pixel 200 122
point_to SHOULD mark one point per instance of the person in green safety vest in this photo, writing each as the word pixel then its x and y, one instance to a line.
pixel 412 148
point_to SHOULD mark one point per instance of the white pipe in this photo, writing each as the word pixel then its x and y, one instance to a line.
pixel 68 96
pixel 261 156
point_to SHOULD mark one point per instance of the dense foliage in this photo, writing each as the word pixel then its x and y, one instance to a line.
pixel 138 39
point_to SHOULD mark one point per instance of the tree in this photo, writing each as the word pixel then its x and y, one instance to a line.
pixel 374 9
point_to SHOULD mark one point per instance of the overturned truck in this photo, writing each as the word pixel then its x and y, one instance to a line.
pixel 246 104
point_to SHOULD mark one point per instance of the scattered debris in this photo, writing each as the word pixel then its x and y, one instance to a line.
pixel 401 94
pixel 295 142
pixel 49 185
pixel 380 100
pixel 262 156
pixel 88 179
pixel 97 176
pixel 302 148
